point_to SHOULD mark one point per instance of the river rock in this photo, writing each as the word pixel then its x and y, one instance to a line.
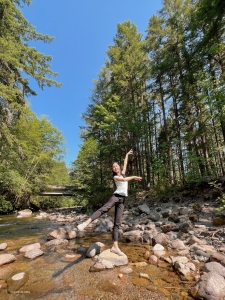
pixel 17 281
pixel 178 245
pixel 214 267
pixel 218 257
pixel 108 259
pixel 105 225
pixel 26 248
pixel 209 287
pixel 134 236
pixel 148 235
pixel 25 213
pixel 186 226
pixel 154 216
pixel 6 258
pixel 169 227
pixel 32 254
pixel 161 239
pixel 218 219
pixel 194 240
pixel 144 209
pixel 62 233
pixel 94 249
pixel 56 242
pixel 3 246
pixel 6 271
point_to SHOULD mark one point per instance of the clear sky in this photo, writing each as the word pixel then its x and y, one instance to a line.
pixel 83 31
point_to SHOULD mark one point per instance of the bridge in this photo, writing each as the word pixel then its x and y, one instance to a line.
pixel 55 190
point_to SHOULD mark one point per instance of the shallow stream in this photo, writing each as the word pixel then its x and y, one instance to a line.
pixel 54 276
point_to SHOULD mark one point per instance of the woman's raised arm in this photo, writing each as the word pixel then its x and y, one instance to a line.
pixel 125 162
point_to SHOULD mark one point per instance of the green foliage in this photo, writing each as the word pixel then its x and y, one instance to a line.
pixel 5 205
pixel 221 198
pixel 45 202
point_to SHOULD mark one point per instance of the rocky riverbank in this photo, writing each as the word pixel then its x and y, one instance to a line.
pixel 182 236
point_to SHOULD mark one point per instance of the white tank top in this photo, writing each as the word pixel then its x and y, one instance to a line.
pixel 121 186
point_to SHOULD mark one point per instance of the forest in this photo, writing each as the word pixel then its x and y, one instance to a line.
pixel 160 93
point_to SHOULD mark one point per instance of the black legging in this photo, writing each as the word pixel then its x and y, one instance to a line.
pixel 117 201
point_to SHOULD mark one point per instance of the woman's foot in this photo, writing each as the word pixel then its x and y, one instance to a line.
pixel 81 226
pixel 117 251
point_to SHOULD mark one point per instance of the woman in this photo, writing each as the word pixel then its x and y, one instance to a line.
pixel 116 200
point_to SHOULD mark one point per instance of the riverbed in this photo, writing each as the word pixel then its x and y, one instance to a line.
pixel 52 276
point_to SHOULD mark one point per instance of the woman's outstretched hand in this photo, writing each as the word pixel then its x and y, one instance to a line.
pixel 138 178
pixel 130 152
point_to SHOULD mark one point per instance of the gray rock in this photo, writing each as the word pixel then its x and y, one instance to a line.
pixel 134 236
pixel 214 267
pixel 154 216
pixel 108 260
pixel 144 209
pixel 177 244
pixel 94 249
pixel 186 226
pixel 209 287
pixel 161 239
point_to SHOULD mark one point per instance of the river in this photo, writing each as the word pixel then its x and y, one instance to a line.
pixel 53 277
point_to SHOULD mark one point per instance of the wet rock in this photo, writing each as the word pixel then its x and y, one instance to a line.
pixel 108 258
pixel 3 246
pixel 109 287
pixel 32 254
pixel 56 242
pixel 17 281
pixel 100 265
pixel 134 236
pixel 26 248
pixel 62 233
pixel 6 259
pixel 71 257
pixel 147 255
pixel 6 271
pixel 3 284
pixel 153 260
pixel 94 249
pixel 144 275
pixel 126 270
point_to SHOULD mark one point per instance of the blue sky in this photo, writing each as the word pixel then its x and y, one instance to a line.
pixel 83 30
